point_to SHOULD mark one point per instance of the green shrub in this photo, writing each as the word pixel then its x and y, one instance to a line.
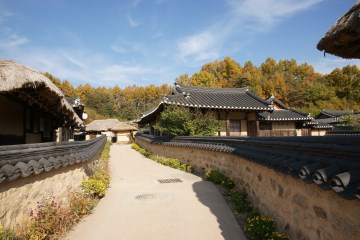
pixel 278 236
pixel 219 178
pixel 94 187
pixel 253 213
pixel 240 201
pixel 105 154
pixel 135 146
pixel 103 176
pixel 147 154
pixel 171 162
pixel 177 121
pixel 8 234
pixel 260 228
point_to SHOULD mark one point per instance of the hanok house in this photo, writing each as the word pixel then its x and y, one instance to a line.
pixel 32 106
pixel 283 121
pixel 115 130
pixel 236 108
pixel 318 128
pixel 333 119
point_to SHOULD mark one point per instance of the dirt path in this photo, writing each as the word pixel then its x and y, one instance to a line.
pixel 138 206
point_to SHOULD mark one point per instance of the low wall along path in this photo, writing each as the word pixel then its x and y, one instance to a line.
pixel 308 185
pixel 31 172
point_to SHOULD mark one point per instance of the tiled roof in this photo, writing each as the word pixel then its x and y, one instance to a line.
pixel 216 98
pixel 329 162
pixel 328 120
pixel 26 159
pixel 323 125
pixel 210 98
pixel 318 124
pixel 283 115
pixel 336 113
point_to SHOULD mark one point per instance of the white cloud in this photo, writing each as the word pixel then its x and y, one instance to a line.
pixel 135 3
pixel 81 66
pixel 123 46
pixel 268 11
pixel 249 17
pixel 75 62
pixel 132 21
pixel 10 39
pixel 199 47
pixel 4 15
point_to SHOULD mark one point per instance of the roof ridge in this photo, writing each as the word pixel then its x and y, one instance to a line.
pixel 184 88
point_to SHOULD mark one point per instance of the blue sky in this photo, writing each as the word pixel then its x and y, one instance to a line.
pixel 143 42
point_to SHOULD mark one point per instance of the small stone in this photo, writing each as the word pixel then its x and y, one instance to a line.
pixel 281 191
pixel 300 200
pixel 320 212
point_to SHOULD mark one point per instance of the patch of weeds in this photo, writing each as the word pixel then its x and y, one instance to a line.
pixel 278 236
pixel 49 219
pixel 218 178
pixel 261 227
pixel 52 220
pixel 81 205
pixel 8 234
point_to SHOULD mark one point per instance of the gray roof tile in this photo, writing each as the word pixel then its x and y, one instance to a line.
pixel 283 115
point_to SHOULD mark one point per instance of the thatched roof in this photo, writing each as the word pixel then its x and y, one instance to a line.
pixel 101 125
pixel 34 88
pixel 109 125
pixel 343 38
pixel 123 127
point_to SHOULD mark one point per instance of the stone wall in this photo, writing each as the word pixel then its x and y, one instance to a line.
pixel 303 211
pixel 17 198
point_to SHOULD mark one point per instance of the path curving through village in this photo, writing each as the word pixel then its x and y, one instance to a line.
pixel 137 206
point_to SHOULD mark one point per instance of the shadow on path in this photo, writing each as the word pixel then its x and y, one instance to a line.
pixel 230 229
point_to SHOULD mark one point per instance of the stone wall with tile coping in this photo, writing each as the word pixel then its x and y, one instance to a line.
pixel 303 211
pixel 17 198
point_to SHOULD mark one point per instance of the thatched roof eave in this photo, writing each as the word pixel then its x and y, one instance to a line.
pixel 34 88
pixel 343 38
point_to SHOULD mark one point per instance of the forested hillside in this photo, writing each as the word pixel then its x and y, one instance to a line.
pixel 296 85
pixel 124 104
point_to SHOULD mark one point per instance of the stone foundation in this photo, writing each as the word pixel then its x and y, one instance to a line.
pixel 301 210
